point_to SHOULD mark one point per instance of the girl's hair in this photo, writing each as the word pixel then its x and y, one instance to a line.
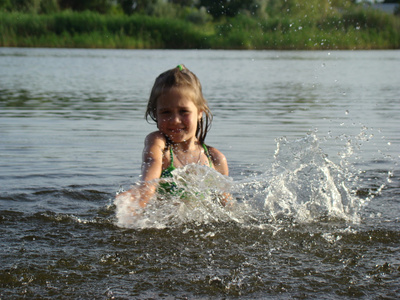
pixel 181 77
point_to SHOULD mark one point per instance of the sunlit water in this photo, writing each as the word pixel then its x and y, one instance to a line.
pixel 312 140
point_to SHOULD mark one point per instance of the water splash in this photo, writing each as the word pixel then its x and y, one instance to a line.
pixel 302 185
pixel 306 185
pixel 198 197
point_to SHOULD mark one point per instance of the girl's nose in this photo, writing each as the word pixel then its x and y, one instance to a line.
pixel 175 118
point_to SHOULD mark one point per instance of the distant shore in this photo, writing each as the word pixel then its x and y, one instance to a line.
pixel 361 29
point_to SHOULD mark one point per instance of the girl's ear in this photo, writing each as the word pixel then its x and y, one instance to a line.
pixel 200 115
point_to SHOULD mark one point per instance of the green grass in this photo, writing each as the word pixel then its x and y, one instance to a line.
pixel 92 30
pixel 352 29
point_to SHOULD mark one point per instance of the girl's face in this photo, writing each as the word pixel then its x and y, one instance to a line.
pixel 177 115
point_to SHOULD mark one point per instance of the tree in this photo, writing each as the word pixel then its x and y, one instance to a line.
pixel 229 8
pixel 189 3
pixel 101 6
pixel 131 6
pixel 5 4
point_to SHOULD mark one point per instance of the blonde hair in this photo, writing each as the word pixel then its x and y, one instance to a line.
pixel 181 77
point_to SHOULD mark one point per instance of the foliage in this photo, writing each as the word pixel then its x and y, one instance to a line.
pixel 253 24
pixel 73 26
pixel 51 6
pixel 101 6
pixel 5 5
pixel 229 8
pixel 197 16
pixel 25 5
pixel 136 6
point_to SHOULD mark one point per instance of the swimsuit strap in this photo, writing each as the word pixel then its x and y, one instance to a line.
pixel 171 153
pixel 167 172
pixel 208 155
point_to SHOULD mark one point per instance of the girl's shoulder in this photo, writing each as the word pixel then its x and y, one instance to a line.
pixel 219 160
pixel 156 149
pixel 156 138
pixel 215 154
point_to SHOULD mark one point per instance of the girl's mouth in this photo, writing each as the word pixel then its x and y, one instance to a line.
pixel 176 130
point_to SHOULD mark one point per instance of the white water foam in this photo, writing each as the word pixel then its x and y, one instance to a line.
pixel 302 184
pixel 306 185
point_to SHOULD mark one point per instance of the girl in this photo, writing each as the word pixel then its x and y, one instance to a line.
pixel 183 119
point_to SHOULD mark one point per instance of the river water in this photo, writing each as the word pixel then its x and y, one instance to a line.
pixel 312 141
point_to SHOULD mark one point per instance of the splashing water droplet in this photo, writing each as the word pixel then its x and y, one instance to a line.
pixel 302 184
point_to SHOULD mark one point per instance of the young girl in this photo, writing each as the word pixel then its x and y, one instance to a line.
pixel 183 119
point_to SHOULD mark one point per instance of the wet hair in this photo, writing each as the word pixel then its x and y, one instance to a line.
pixel 181 77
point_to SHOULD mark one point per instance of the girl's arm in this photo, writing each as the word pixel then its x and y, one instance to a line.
pixel 151 169
pixel 152 158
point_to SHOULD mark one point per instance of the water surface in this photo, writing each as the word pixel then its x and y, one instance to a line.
pixel 312 140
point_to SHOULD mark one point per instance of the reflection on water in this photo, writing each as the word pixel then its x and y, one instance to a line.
pixel 312 141
pixel 26 99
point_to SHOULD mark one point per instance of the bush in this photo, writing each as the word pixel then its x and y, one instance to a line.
pixel 48 6
pixel 198 16
pixel 355 29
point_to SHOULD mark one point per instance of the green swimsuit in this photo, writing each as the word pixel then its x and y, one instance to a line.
pixel 170 187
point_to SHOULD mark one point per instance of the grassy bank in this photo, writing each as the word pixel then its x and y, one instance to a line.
pixel 353 29
pixel 93 30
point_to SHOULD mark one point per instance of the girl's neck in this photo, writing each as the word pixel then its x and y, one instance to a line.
pixel 188 153
pixel 186 146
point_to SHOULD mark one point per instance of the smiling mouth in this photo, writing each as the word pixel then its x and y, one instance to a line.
pixel 177 130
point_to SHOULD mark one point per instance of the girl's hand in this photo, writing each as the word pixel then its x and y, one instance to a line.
pixel 137 197
pixel 134 196
pixel 226 200
pixel 129 202
pixel 129 206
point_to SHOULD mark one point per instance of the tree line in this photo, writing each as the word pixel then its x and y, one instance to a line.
pixel 203 10
pixel 199 24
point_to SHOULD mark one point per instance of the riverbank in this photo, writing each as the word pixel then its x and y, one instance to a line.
pixel 354 29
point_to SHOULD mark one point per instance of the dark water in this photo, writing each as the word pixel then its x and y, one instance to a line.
pixel 312 140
